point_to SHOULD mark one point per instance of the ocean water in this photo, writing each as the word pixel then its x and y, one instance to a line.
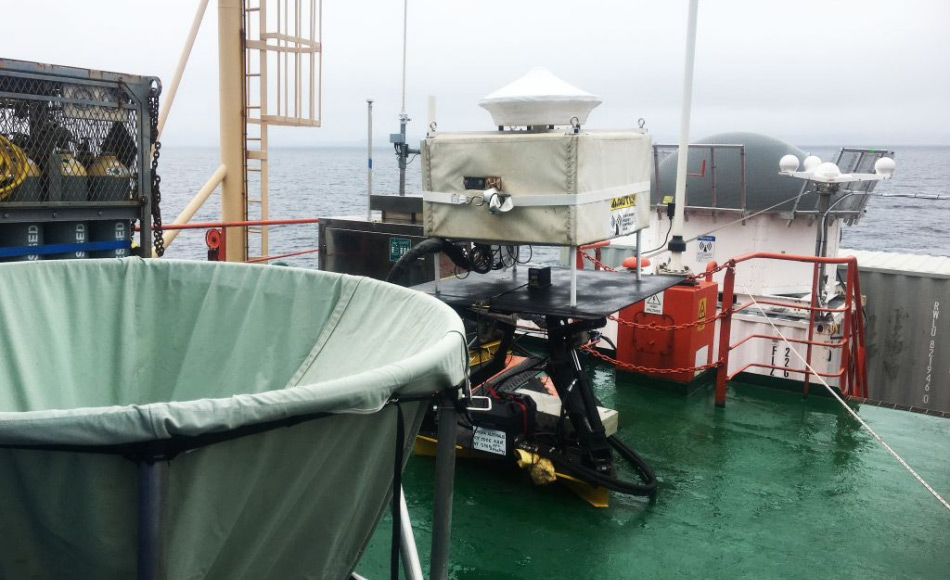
pixel 322 182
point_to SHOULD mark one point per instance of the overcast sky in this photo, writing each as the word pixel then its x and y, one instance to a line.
pixel 841 72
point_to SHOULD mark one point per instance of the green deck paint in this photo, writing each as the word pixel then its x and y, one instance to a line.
pixel 771 486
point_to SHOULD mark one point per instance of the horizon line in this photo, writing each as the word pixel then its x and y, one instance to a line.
pixel 385 147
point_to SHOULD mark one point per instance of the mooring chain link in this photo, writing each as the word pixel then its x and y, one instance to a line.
pixel 589 349
pixel 157 234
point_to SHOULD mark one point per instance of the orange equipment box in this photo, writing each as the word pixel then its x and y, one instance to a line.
pixel 663 348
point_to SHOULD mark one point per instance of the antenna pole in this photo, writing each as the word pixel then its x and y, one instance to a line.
pixel 677 246
pixel 405 37
pixel 369 158
pixel 403 151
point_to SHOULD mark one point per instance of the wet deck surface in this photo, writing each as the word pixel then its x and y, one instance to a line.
pixel 772 486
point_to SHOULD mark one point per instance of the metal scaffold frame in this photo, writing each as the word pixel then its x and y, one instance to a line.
pixel 282 37
pixel 255 38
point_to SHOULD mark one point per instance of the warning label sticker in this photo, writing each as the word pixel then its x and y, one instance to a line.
pixel 489 440
pixel 706 248
pixel 623 215
pixel 654 304
pixel 701 314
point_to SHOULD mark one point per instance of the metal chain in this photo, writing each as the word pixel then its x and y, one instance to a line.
pixel 157 234
pixel 709 272
pixel 653 326
pixel 589 349
pixel 603 266
pixel 597 262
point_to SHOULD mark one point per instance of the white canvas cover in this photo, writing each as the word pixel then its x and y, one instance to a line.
pixel 538 99
pixel 103 352
pixel 588 187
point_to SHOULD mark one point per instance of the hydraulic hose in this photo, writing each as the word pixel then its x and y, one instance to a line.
pixel 529 365
pixel 428 246
pixel 647 488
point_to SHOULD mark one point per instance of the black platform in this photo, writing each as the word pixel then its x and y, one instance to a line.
pixel 599 293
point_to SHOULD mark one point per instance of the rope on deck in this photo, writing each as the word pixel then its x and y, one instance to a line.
pixel 849 409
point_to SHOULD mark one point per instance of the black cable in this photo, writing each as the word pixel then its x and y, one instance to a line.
pixel 521 349
pixel 647 488
pixel 593 477
pixel 512 255
pixel 513 252
pixel 456 254
pixel 426 246
pixel 481 257
pixel 608 341
pixel 530 255
pixel 500 261
pixel 665 240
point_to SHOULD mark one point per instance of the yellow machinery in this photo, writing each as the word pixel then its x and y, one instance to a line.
pixel 14 167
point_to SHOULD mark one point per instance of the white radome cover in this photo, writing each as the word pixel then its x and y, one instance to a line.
pixel 539 98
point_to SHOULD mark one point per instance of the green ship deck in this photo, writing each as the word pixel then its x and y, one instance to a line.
pixel 772 486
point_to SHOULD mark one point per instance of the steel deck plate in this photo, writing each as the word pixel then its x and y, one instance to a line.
pixel 771 486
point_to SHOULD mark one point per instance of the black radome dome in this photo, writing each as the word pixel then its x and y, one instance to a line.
pixel 764 186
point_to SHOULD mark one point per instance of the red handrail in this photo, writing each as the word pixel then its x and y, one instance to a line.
pixel 596 246
pixel 279 256
pixel 793 258
pixel 852 372
pixel 216 238
pixel 238 224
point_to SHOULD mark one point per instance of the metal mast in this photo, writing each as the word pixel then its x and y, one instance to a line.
pixel 677 246
pixel 231 111
pixel 403 151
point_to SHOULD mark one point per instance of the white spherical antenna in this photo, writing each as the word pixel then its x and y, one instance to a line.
pixel 884 167
pixel 788 163
pixel 811 162
pixel 827 170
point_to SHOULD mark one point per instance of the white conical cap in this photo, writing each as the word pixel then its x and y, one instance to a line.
pixel 539 98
